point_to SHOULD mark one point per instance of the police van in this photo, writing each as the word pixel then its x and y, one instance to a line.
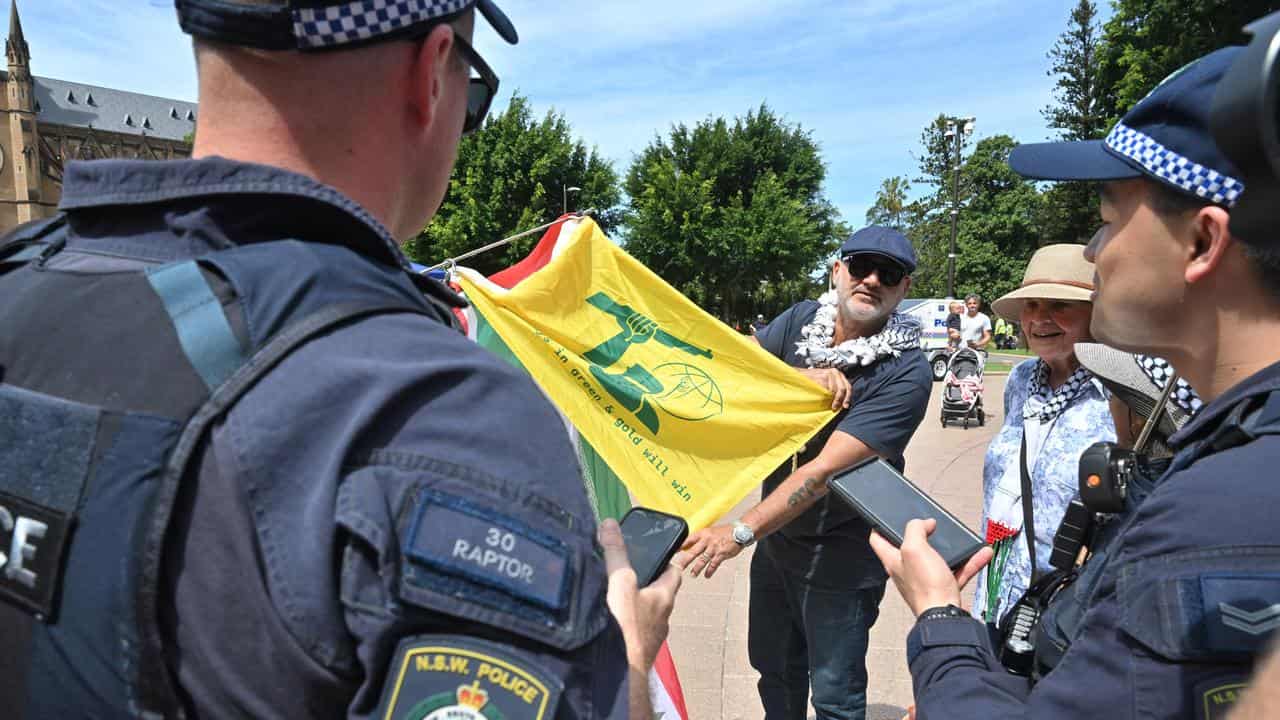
pixel 932 313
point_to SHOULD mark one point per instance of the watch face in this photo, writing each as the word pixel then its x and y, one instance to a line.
pixel 742 534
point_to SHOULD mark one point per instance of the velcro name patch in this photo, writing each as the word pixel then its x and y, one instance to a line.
pixel 447 677
pixel 455 537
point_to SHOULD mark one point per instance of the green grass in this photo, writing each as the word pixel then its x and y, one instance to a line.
pixel 996 366
pixel 1016 351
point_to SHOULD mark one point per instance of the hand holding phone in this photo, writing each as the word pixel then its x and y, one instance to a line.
pixel 652 538
pixel 888 501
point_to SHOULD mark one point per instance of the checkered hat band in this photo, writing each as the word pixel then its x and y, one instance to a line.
pixel 1159 370
pixel 1173 168
pixel 364 19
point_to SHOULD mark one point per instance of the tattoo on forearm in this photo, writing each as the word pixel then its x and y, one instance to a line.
pixel 810 489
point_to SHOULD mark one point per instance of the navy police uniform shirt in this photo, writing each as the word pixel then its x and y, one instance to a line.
pixel 391 523
pixel 828 543
pixel 1166 617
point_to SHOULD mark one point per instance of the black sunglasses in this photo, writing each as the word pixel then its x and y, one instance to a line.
pixel 889 272
pixel 481 90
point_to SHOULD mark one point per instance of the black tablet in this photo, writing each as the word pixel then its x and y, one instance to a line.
pixel 888 501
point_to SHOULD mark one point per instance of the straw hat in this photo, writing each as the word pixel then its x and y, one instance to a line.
pixel 1139 380
pixel 1056 272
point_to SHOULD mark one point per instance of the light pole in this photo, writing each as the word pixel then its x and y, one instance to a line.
pixel 564 196
pixel 957 129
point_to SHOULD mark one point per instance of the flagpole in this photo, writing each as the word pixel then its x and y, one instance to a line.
pixel 507 241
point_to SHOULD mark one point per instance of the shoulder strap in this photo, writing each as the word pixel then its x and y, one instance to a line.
pixel 29 241
pixel 153 680
pixel 1028 512
pixel 206 337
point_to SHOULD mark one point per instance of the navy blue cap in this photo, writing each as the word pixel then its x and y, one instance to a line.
pixel 1165 137
pixel 884 241
pixel 325 24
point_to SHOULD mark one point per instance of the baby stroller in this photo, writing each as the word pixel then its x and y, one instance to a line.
pixel 962 396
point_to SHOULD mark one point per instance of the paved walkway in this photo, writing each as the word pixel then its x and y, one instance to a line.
pixel 709 626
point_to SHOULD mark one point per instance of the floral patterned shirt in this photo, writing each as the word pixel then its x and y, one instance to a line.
pixel 1053 463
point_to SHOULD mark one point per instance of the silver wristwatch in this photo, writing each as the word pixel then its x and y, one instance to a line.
pixel 743 534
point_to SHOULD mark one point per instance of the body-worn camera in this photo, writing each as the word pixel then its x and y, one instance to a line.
pixel 1105 473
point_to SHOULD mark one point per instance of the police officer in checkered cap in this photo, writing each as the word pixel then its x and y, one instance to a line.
pixel 1183 590
pixel 281 483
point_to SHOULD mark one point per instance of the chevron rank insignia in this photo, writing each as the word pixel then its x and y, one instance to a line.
pixel 448 677
pixel 1241 610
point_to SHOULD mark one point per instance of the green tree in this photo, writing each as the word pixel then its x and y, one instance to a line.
pixel 510 176
pixel 733 214
pixel 1077 110
pixel 1147 40
pixel 998 227
pixel 998 220
pixel 890 208
pixel 1070 210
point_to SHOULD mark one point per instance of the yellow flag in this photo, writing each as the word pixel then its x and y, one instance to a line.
pixel 690 414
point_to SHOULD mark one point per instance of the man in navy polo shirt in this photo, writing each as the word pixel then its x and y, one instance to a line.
pixel 815 585
pixel 1183 590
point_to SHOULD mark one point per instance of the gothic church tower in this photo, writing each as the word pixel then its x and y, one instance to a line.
pixel 22 163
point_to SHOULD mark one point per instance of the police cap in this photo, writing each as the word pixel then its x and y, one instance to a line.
pixel 325 24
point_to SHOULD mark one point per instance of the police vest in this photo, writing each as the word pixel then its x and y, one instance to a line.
pixel 1061 622
pixel 109 383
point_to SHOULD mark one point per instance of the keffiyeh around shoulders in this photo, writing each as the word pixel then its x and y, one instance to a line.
pixel 901 332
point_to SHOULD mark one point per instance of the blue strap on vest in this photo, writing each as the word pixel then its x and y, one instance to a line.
pixel 203 331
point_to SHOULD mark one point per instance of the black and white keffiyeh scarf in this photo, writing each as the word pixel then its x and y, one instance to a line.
pixel 1159 370
pixel 1046 404
pixel 902 332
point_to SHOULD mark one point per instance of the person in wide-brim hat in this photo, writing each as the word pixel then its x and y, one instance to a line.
pixel 1056 272
pixel 1054 410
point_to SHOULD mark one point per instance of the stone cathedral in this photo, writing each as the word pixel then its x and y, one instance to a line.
pixel 52 122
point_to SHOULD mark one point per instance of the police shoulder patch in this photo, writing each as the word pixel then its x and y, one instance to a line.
pixel 1215 698
pixel 450 677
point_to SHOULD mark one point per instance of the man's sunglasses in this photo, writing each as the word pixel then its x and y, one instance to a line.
pixel 889 272
pixel 481 90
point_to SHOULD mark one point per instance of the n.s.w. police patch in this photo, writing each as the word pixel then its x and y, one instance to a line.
pixel 449 677
pixel 1215 698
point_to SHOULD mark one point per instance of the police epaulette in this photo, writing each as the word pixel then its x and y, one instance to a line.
pixel 1250 419
pixel 26 242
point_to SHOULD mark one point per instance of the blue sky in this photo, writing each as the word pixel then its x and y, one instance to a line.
pixel 863 76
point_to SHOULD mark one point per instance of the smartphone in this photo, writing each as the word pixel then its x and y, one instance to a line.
pixel 652 537
pixel 888 501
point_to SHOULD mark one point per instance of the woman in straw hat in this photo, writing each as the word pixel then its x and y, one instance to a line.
pixel 1053 410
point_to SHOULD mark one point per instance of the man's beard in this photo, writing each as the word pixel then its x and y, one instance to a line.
pixel 862 320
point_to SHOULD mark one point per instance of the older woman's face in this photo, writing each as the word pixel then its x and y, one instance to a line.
pixel 1053 327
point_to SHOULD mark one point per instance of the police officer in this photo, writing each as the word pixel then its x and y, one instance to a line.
pixel 1165 618
pixel 247 466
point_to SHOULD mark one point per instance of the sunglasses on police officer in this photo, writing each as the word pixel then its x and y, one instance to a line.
pixel 889 272
pixel 480 90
